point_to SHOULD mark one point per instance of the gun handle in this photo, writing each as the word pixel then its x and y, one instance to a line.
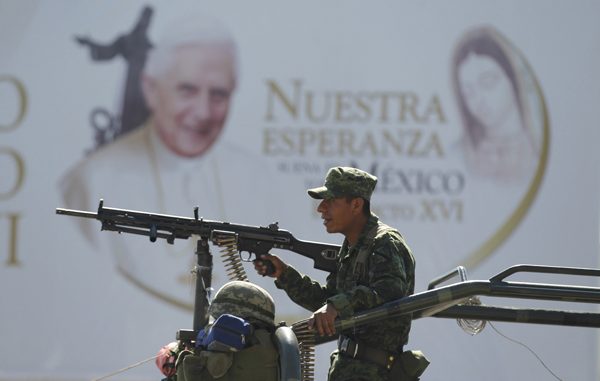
pixel 270 267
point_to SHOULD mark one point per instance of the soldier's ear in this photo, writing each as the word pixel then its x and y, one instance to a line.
pixel 357 205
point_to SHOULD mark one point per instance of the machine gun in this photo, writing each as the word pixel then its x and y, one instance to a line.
pixel 236 239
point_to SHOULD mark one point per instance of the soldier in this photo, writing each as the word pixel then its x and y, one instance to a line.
pixel 256 361
pixel 374 266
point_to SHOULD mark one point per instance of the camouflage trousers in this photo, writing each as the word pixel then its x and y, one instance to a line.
pixel 344 368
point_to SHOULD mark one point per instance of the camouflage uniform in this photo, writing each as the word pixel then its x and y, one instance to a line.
pixel 259 361
pixel 389 275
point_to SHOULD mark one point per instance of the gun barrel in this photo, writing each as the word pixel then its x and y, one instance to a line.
pixel 76 213
pixel 256 240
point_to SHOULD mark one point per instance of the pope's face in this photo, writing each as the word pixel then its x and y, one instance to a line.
pixel 487 91
pixel 190 100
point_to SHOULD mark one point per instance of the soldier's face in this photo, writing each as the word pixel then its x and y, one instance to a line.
pixel 337 215
pixel 190 101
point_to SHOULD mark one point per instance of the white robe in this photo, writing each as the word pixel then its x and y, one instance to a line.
pixel 138 172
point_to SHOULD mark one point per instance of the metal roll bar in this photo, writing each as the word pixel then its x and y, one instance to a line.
pixel 444 302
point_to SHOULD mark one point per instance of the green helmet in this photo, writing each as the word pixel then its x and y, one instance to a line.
pixel 245 300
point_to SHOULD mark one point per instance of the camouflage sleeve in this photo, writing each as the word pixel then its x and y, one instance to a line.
pixel 388 278
pixel 303 290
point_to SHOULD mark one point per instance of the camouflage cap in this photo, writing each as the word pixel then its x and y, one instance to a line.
pixel 243 299
pixel 345 181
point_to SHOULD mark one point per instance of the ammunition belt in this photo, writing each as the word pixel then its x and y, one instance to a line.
pixel 351 348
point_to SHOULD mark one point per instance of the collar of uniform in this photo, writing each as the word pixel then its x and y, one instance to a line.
pixel 371 222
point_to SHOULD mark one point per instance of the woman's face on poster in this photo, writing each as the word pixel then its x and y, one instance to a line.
pixel 487 92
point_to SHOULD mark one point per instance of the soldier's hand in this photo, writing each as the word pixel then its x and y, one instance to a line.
pixel 323 319
pixel 269 265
